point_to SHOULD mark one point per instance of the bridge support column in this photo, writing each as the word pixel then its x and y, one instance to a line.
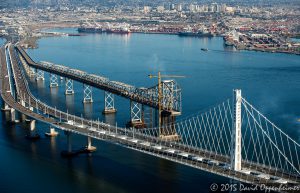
pixel 236 144
pixel 32 132
pixel 68 152
pixel 136 118
pixel 32 125
pixel 12 115
pixel 69 87
pixel 89 148
pixel 52 132
pixel 40 75
pixel 53 81
pixel 109 103
pixel 87 94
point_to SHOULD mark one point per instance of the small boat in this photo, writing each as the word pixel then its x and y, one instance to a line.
pixel 204 49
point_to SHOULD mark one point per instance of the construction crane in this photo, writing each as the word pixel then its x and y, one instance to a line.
pixel 159 77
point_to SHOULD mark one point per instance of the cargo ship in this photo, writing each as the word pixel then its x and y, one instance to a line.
pixel 103 30
pixel 90 30
pixel 199 33
pixel 118 30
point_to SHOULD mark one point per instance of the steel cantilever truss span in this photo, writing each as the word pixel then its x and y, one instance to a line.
pixel 268 155
pixel 171 90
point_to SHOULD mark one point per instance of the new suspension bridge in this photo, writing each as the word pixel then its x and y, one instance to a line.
pixel 232 139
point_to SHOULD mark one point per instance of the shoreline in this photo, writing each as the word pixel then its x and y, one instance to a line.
pixel 247 47
pixel 272 51
pixel 31 42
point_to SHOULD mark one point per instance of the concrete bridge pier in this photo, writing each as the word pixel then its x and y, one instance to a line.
pixel 89 148
pixel 12 115
pixel 32 135
pixel 109 103
pixel 32 125
pixel 69 152
pixel 52 132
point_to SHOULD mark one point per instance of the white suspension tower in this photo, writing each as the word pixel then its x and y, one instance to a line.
pixel 236 143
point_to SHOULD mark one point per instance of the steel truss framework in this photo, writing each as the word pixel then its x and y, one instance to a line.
pixel 69 87
pixel 171 92
pixel 109 101
pixel 53 80
pixel 40 75
pixel 135 111
pixel 87 94
pixel 145 96
pixel 171 95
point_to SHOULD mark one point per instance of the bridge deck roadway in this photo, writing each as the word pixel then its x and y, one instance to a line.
pixel 121 136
